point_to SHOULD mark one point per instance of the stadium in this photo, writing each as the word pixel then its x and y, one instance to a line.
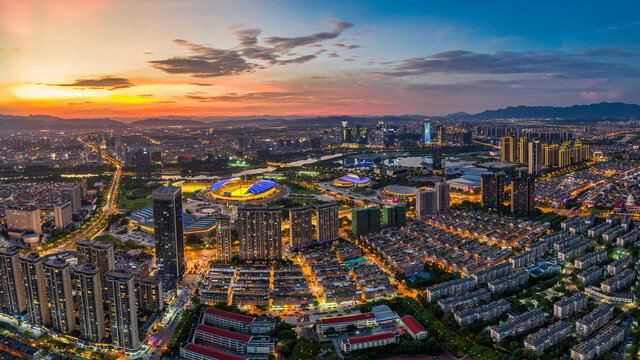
pixel 238 190
pixel 398 193
pixel 352 180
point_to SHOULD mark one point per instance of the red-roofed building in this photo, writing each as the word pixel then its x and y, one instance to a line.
pixel 340 323
pixel 199 352
pixel 369 341
pixel 417 331
pixel 233 341
pixel 238 322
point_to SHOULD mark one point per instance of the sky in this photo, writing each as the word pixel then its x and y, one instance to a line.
pixel 143 58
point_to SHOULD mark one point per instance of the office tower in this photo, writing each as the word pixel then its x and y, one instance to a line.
pixel 224 242
pixel 167 230
pixel 442 133
pixel 507 149
pixel 467 138
pixel 395 215
pixel 492 190
pixel 57 275
pixel 73 194
pixel 99 253
pixel 300 226
pixel 426 204
pixel 523 190
pixel 436 159
pixel 12 295
pixel 523 150
pixel 83 189
pixel 260 234
pixel 442 197
pixel 35 289
pixel 123 316
pixel 535 157
pixel 25 219
pixel 90 302
pixel 149 294
pixel 346 133
pixel 365 220
pixel 327 222
pixel 63 215
pixel 427 132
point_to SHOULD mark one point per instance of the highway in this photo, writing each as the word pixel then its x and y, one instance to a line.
pixel 98 223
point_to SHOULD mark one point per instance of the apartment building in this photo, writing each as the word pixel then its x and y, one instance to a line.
pixel 493 272
pixel 594 320
pixel 464 301
pixel 485 313
pixel 619 281
pixel 451 288
pixel 369 341
pixel 599 344
pixel 509 282
pixel 569 306
pixel 518 325
pixel 546 338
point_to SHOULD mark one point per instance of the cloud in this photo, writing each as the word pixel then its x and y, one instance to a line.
pixel 200 84
pixel 582 65
pixel 347 47
pixel 206 62
pixel 106 82
pixel 348 60
pixel 256 96
pixel 333 55
pixel 313 77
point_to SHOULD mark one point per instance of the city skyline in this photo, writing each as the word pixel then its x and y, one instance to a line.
pixel 80 59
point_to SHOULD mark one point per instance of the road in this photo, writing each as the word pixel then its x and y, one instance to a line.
pixel 98 223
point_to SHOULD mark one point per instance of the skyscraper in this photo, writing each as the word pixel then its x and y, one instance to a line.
pixel 523 150
pixel 365 220
pixel 426 204
pixel 123 316
pixel 35 289
pixel 443 197
pixel 260 234
pixel 167 230
pixel 492 191
pixel 535 157
pixel 300 226
pixel 63 214
pixel 327 222
pixel 90 302
pixel 436 158
pixel 552 155
pixel 57 274
pixel 523 191
pixel 12 295
pixel 73 194
pixel 99 253
pixel 149 294
pixel 395 215
pixel 224 242
pixel 507 149
pixel 442 134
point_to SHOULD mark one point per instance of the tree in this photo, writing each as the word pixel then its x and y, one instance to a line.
pixel 330 331
pixel 351 328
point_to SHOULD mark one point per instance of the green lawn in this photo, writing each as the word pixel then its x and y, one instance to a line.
pixel 136 204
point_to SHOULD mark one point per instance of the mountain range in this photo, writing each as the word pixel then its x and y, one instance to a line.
pixel 598 111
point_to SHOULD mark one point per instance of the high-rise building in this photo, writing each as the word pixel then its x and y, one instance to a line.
pixel 123 315
pixel 442 134
pixel 12 295
pixel 260 233
pixel 149 294
pixel 467 138
pixel 565 155
pixel 427 132
pixel 436 159
pixel 224 242
pixel 395 215
pixel 26 219
pixel 35 289
pixel 535 157
pixel 90 302
pixel 327 222
pixel 443 197
pixel 99 253
pixel 57 274
pixel 300 226
pixel 84 190
pixel 426 204
pixel 523 150
pixel 168 232
pixel 492 191
pixel 523 190
pixel 552 155
pixel 63 214
pixel 346 133
pixel 73 194
pixel 507 149
pixel 365 220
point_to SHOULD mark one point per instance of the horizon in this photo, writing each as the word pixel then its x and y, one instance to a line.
pixel 78 59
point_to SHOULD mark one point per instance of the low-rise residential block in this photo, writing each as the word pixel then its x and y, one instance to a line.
pixel 546 338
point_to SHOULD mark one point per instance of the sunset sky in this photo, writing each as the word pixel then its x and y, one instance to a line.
pixel 94 58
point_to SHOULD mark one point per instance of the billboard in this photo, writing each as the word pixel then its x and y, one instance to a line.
pixel 427 133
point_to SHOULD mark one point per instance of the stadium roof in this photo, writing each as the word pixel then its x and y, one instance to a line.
pixel 218 184
pixel 356 179
pixel 261 186
pixel 401 190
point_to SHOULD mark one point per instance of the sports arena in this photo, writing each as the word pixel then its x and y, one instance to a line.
pixel 236 189
pixel 352 180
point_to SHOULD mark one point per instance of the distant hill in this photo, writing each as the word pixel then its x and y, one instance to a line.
pixel 593 111
pixel 45 122
pixel 156 122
